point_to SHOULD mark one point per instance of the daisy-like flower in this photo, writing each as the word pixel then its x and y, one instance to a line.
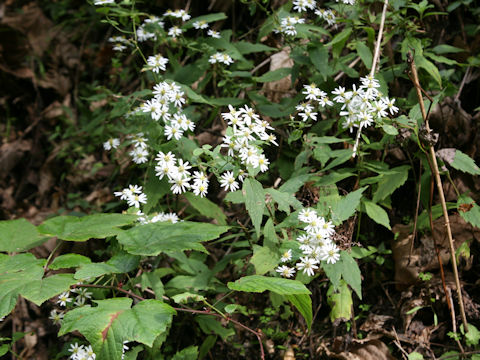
pixel 306 215
pixel 56 317
pixel 263 163
pixel 227 180
pixel 167 158
pixel 308 265
pixel 179 184
pixel 157 62
pixel 174 31
pixel 137 199
pixel 64 298
pixel 111 144
pixel 330 253
pixel 213 33
pixel 89 353
pixel 200 24
pixel 221 58
pixel 173 131
pixel 286 256
pixel 139 155
pixel 390 105
pixel 200 189
pixel 75 349
pixel 103 2
pixel 285 271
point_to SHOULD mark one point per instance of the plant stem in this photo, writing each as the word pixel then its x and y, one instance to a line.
pixel 438 180
pixel 379 39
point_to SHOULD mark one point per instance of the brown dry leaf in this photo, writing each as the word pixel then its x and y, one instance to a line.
pixel 362 350
pixel 289 354
pixel 11 153
pixel 277 90
pixel 375 323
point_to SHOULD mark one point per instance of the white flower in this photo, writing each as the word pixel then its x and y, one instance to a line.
pixel 75 349
pixel 285 271
pixel 64 298
pixel 200 24
pixel 111 144
pixel 307 215
pixel 330 253
pixel 200 188
pixel 139 155
pixel 103 2
pixel 167 158
pixel 228 181
pixel 221 58
pixel 180 184
pixel 173 131
pixel 308 265
pixel 174 31
pixel 136 200
pixel 213 34
pixel 56 317
pixel 286 256
pixel 157 62
pixel 389 103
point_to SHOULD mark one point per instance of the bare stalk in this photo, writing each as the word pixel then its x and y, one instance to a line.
pixel 438 181
pixel 376 56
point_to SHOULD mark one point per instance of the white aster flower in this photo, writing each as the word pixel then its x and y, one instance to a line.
pixel 286 256
pixel 285 271
pixel 227 181
pixel 111 144
pixel 213 33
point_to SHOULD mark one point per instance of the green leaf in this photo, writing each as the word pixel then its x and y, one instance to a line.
pixel 153 239
pixel 19 235
pixel 472 337
pixel 415 356
pixel 465 163
pixel 155 189
pixel 113 321
pixel 259 284
pixel 471 215
pixel 187 297
pixel 319 58
pixel 118 264
pixel 69 261
pixel 429 67
pixel 211 325
pixel 207 18
pixel 189 353
pixel 365 53
pixel 347 205
pixel 390 182
pixel 340 37
pixel 96 226
pixel 377 214
pixel 273 75
pixel 351 272
pixel 340 302
pixel 206 208
pixel 284 200
pixel 4 349
pixel 254 201
pixel 303 303
pixel 390 130
pixel 264 259
pixel 23 275
pixel 244 47
pixel 446 49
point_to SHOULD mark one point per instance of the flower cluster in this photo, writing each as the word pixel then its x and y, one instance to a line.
pixel 133 195
pixel 179 175
pixel 139 153
pixel 162 217
pixel 316 245
pixel 200 25
pixel 220 58
pixel 149 28
pixel 81 352
pixel 287 25
pixel 327 15
pixel 246 132
pixel 179 14
pixel 119 42
pixel 157 63
pixel 81 296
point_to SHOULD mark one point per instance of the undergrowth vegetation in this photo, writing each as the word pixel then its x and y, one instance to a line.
pixel 277 169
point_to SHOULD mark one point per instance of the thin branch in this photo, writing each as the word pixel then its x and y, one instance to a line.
pixel 438 181
pixel 379 38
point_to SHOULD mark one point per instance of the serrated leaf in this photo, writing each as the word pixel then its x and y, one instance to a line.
pixel 303 303
pixel 284 200
pixel 465 163
pixel 23 275
pixel 19 235
pixel 254 201
pixel 377 214
pixel 113 321
pixel 259 284
pixel 347 205
pixel 186 297
pixel 118 264
pixel 390 182
pixel 153 239
pixel 68 261
pixel 273 75
pixel 206 208
pixel 340 302
pixel 365 53
pixel 264 259
pixel 74 228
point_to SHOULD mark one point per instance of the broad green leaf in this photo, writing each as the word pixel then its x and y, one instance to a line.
pixel 270 238
pixel 113 321
pixel 187 297
pixel 264 259
pixel 153 280
pixel 429 67
pixel 390 182
pixel 273 75
pixel 293 184
pixel 68 261
pixel 365 53
pixel 206 208
pixel 189 353
pixel 469 210
pixel 341 36
pixel 465 163
pixel 74 228
pixel 23 275
pixel 4 349
pixel 153 239
pixel 390 130
pixel 284 200
pixel 351 272
pixel 319 58
pixel 244 47
pixel 254 201
pixel 155 189
pixel 472 337
pixel 259 284
pixel 118 264
pixel 415 356
pixel 207 18
pixel 340 302
pixel 347 205
pixel 210 324
pixel 446 49
pixel 19 235
pixel 377 214
pixel 303 303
